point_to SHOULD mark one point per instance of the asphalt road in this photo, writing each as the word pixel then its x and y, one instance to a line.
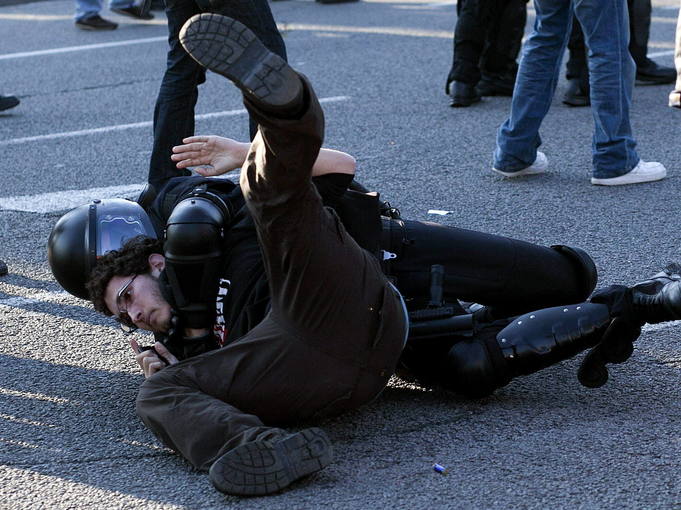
pixel 69 437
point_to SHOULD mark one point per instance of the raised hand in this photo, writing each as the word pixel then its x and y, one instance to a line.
pixel 214 155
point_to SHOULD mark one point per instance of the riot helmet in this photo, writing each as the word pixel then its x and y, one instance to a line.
pixel 86 233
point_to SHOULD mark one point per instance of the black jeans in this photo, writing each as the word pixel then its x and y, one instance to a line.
pixel 487 38
pixel 174 111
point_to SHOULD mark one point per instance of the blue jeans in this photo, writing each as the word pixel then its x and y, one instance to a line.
pixel 88 8
pixel 611 73
pixel 174 111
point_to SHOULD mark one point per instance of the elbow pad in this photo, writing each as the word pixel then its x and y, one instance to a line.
pixel 193 252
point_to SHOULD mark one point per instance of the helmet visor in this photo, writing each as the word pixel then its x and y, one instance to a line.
pixel 113 230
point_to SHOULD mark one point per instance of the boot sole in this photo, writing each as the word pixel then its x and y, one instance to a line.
pixel 259 468
pixel 460 102
pixel 230 49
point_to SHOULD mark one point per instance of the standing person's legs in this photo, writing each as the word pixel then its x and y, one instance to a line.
pixel 174 112
pixel 605 24
pixel 498 64
pixel 639 28
pixel 87 8
pixel 647 70
pixel 518 137
pixel 576 69
pixel 469 41
pixel 675 95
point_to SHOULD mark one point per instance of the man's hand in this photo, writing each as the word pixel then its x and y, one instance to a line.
pixel 215 154
pixel 149 360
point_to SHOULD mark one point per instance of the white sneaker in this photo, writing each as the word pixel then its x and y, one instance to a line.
pixel 541 163
pixel 645 171
pixel 675 99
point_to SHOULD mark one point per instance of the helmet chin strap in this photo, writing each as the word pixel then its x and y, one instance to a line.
pixel 181 346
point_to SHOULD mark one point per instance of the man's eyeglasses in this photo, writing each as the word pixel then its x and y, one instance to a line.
pixel 123 297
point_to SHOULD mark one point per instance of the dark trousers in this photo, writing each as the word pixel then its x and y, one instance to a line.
pixel 174 111
pixel 487 38
pixel 509 276
pixel 334 333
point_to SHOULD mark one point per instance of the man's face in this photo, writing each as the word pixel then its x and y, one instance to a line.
pixel 141 299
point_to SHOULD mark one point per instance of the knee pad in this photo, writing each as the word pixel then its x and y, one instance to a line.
pixel 585 267
pixel 475 367
pixel 528 343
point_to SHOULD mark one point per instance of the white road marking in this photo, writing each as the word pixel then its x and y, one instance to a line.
pixel 38 298
pixel 660 54
pixel 25 421
pixel 136 125
pixel 33 396
pixel 283 27
pixel 64 200
pixel 86 47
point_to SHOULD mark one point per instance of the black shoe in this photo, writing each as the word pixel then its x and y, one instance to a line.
pixel 3 268
pixel 495 85
pixel 576 94
pixel 7 102
pixel 135 11
pixel 650 73
pixel 462 94
pixel 264 467
pixel 229 48
pixel 96 22
pixel 658 299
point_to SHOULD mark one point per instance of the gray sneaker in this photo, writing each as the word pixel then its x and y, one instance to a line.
pixel 229 48
pixel 264 467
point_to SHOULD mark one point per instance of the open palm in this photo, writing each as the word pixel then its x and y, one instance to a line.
pixel 214 155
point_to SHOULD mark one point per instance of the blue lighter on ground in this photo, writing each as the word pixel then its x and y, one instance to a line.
pixel 440 469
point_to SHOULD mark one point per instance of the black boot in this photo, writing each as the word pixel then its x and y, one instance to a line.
pixel 462 94
pixel 264 467
pixel 577 93
pixel 649 72
pixel 231 49
pixel 496 85
pixel 658 299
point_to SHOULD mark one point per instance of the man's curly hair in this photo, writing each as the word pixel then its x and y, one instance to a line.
pixel 131 259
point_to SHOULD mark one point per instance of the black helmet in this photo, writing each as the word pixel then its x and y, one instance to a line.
pixel 86 233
